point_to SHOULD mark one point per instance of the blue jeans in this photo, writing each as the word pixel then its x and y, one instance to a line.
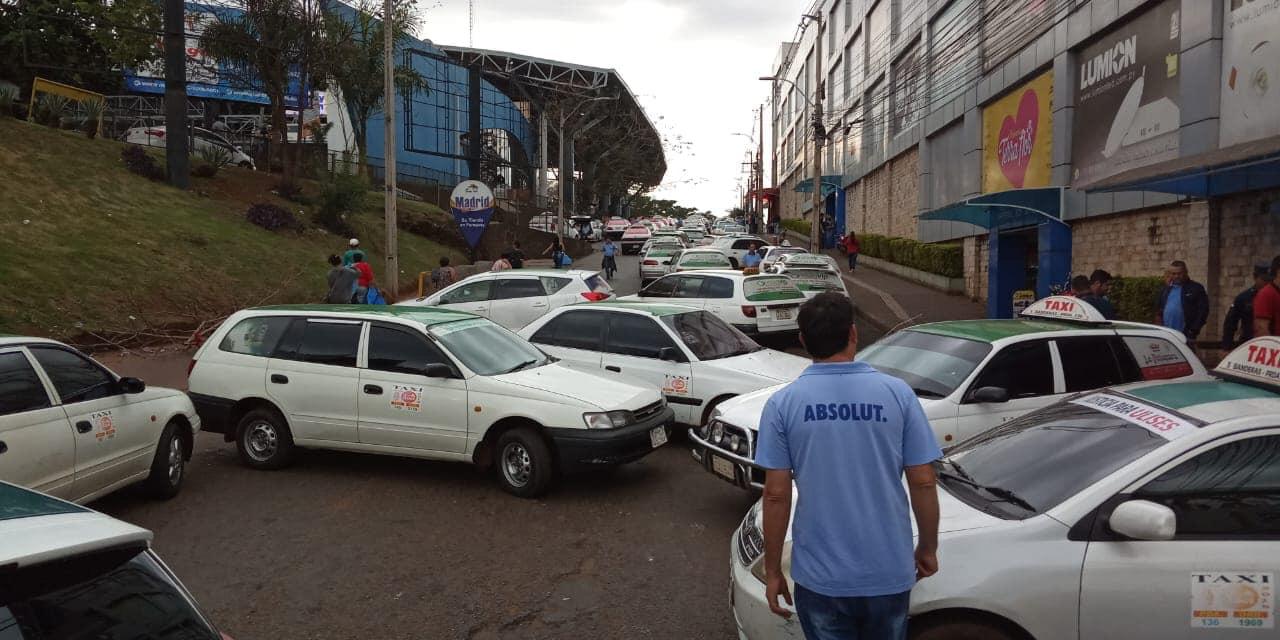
pixel 863 618
pixel 853 261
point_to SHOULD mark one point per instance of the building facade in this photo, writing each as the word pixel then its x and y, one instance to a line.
pixel 1047 137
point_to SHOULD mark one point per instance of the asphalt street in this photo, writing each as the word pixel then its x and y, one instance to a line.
pixel 344 545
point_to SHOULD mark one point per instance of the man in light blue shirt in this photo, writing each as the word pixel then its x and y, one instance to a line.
pixel 846 433
pixel 1173 317
pixel 752 259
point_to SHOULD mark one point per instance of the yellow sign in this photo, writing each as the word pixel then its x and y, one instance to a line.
pixel 1017 137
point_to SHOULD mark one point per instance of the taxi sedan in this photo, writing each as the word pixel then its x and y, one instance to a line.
pixel 1142 511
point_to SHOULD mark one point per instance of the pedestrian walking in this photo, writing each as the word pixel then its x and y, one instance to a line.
pixel 353 247
pixel 1183 303
pixel 1266 305
pixel 1237 326
pixel 365 281
pixel 851 249
pixel 846 433
pixel 515 256
pixel 1096 294
pixel 753 257
pixel 610 264
pixel 443 275
pixel 556 249
pixel 342 282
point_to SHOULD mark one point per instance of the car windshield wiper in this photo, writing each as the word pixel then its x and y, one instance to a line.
pixel 1000 492
pixel 925 393
pixel 520 366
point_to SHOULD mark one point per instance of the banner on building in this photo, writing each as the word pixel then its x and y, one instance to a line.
pixel 1250 71
pixel 472 204
pixel 1017 137
pixel 1127 114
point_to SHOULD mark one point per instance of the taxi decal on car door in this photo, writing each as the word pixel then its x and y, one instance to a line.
pixel 1233 600
pixel 104 428
pixel 407 398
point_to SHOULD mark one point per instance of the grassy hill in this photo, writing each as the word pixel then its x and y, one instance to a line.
pixel 88 249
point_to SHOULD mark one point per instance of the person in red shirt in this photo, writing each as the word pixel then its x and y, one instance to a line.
pixel 851 249
pixel 365 280
pixel 1266 305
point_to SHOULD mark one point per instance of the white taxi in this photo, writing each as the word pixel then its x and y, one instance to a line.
pixel 1146 511
pixel 694 357
pixel 71 428
pixel 770 255
pixel 634 237
pixel 813 273
pixel 415 382
pixel 972 375
pixel 736 246
pixel 656 260
pixel 757 305
pixel 516 297
pixel 700 260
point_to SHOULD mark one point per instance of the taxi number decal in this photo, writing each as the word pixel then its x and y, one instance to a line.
pixel 1233 600
pixel 1157 421
pixel 676 385
pixel 407 398
pixel 104 428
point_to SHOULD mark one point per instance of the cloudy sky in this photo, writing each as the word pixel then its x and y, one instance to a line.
pixel 693 64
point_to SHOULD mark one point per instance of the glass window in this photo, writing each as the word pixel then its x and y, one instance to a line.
pixel 112 595
pixel 597 284
pixel 512 288
pixel 689 286
pixel 573 330
pixel 477 291
pixel 661 288
pixel 1232 490
pixel 635 335
pixel 75 377
pixel 487 348
pixel 770 289
pixel 1088 363
pixel 745 244
pixel 709 337
pixel 330 343
pixel 704 259
pixel 933 365
pixel 552 284
pixel 399 351
pixel 255 336
pixel 1024 369
pixel 1146 358
pixel 20 387
pixel 717 288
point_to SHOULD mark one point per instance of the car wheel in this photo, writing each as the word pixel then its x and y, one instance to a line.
pixel 263 440
pixel 525 464
pixel 961 630
pixel 169 466
pixel 733 262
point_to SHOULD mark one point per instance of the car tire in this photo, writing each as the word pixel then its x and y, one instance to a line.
pixel 961 630
pixel 524 463
pixel 264 440
pixel 733 262
pixel 169 467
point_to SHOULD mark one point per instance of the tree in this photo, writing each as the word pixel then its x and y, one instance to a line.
pixel 77 42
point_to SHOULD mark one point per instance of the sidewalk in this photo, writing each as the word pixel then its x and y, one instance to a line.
pixel 886 301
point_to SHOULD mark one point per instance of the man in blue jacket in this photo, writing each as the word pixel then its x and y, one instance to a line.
pixel 1183 304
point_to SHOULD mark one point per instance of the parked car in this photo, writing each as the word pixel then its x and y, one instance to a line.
pixel 517 297
pixel 770 254
pixel 202 141
pixel 700 259
pixel 615 227
pixel 813 273
pixel 634 238
pixel 421 383
pixel 72 428
pixel 697 236
pixel 1144 511
pixel 757 305
pixel 656 261
pixel 694 357
pixel 69 572
pixel 973 375
pixel 736 246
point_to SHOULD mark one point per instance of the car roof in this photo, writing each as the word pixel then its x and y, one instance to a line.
pixel 37 528
pixel 1207 398
pixel 585 273
pixel 656 309
pixel 426 316
pixel 7 340
pixel 993 330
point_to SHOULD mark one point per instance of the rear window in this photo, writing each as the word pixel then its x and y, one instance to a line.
pixel 814 279
pixel 598 284
pixel 255 336
pixel 1157 359
pixel 705 259
pixel 769 289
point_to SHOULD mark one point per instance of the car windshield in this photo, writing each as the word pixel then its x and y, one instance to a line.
pixel 933 365
pixel 486 348
pixel 1032 464
pixel 709 337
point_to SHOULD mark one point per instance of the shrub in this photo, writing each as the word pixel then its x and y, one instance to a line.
pixel 342 195
pixel 942 259
pixel 8 96
pixel 797 225
pixel 291 191
pixel 214 155
pixel 93 110
pixel 271 217
pixel 49 109
pixel 204 170
pixel 137 160
pixel 1137 298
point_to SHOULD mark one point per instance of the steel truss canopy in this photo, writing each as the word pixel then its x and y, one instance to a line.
pixel 560 87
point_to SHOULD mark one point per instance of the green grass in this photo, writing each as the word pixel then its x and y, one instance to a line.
pixel 84 244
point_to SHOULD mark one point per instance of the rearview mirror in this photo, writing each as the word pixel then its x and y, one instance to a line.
pixel 1144 520
pixel 669 354
pixel 990 395
pixel 438 370
pixel 132 385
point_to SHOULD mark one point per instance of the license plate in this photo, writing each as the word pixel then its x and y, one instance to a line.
pixel 657 437
pixel 782 314
pixel 722 467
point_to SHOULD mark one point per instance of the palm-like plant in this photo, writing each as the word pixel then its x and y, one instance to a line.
pixel 93 109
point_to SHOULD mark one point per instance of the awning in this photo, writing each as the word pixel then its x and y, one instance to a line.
pixel 1243 167
pixel 830 184
pixel 1004 209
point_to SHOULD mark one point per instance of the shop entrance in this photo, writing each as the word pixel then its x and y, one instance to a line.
pixel 1034 258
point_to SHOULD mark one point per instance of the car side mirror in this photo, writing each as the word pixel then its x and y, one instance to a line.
pixel 1144 520
pixel 669 354
pixel 437 370
pixel 990 395
pixel 132 385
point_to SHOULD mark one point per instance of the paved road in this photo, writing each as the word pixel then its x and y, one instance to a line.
pixel 347 545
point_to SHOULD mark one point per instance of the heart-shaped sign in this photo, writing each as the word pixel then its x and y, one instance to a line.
pixel 1018 139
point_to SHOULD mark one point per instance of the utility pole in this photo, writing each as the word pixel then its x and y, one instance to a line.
pixel 760 175
pixel 815 221
pixel 389 148
pixel 175 94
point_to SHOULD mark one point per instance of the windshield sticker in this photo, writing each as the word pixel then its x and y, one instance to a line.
pixel 1158 359
pixel 676 385
pixel 442 330
pixel 104 428
pixel 1233 600
pixel 1155 420
pixel 406 397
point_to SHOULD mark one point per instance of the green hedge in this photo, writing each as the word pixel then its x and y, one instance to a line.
pixel 797 225
pixel 1136 298
pixel 942 259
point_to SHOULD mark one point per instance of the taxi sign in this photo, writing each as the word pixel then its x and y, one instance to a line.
pixel 1064 308
pixel 1257 360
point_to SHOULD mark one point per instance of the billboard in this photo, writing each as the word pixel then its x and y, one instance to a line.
pixel 1250 66
pixel 1017 137
pixel 472 205
pixel 1127 114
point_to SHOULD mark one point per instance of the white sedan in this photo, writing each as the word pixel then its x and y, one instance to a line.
pixel 812 273
pixel 696 359
pixel 736 246
pixel 1145 511
pixel 757 305
pixel 516 297
pixel 71 428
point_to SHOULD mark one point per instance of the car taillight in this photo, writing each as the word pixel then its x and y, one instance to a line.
pixel 595 296
pixel 749 310
pixel 650 263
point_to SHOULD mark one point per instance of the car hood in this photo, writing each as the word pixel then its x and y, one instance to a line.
pixel 954 515
pixel 744 410
pixel 774 366
pixel 581 386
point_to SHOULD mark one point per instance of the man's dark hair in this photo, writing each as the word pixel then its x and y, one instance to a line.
pixel 1080 283
pixel 517 244
pixel 444 261
pixel 334 260
pixel 1099 277
pixel 1179 264
pixel 824 324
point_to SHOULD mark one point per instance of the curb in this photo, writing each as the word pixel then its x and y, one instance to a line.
pixel 882 324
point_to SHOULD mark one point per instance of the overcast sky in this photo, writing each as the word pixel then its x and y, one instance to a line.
pixel 693 64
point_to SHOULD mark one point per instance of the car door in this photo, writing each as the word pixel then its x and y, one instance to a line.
pixel 717 297
pixel 631 350
pixel 1093 362
pixel 559 293
pixel 1025 370
pixel 1217 576
pixel 37 443
pixel 313 378
pixel 517 301
pixel 399 405
pixel 115 438
pixel 576 336
pixel 688 290
pixel 470 295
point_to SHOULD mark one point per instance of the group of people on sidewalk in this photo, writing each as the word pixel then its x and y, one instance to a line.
pixel 350 278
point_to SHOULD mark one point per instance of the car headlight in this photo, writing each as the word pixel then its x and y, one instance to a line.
pixel 717 432
pixel 608 420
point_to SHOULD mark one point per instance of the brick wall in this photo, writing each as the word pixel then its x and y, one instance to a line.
pixel 788 199
pixel 1138 243
pixel 886 201
pixel 1248 233
pixel 976 260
